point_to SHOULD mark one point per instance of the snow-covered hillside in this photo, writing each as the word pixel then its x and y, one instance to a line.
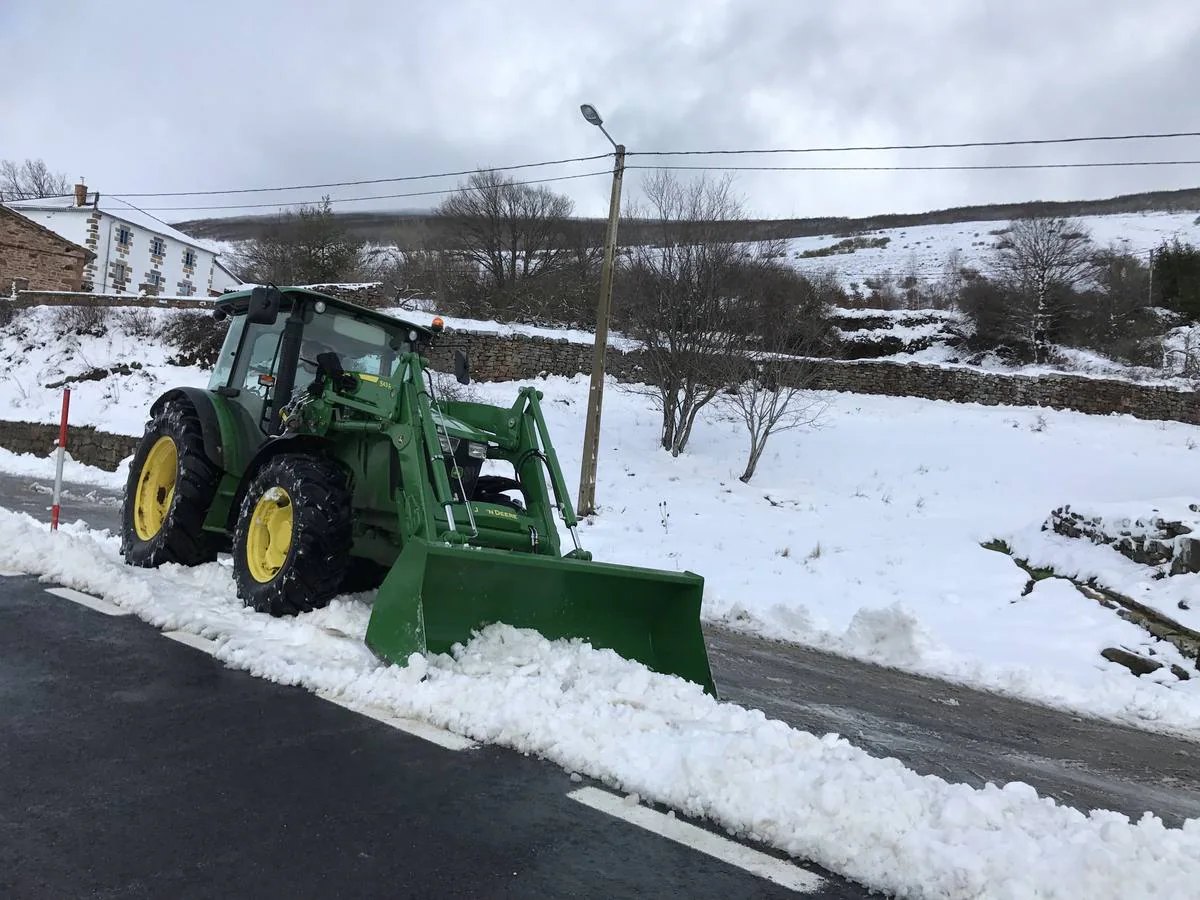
pixel 862 535
pixel 926 250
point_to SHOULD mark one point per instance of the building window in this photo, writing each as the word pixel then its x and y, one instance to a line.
pixel 189 258
pixel 157 246
pixel 124 235
pixel 186 289
pixel 154 277
pixel 118 271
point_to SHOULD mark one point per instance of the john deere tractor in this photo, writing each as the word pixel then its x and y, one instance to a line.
pixel 322 459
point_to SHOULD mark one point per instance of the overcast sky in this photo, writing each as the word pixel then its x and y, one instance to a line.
pixel 143 96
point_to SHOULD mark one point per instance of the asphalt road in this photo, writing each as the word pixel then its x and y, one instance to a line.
pixel 132 766
pixel 933 727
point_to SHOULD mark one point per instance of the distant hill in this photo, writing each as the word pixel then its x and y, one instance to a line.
pixel 412 228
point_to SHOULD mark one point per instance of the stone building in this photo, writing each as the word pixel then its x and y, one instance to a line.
pixel 35 258
pixel 133 252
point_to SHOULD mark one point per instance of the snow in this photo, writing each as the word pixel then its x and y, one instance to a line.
pixel 861 536
pixel 660 738
pixel 900 316
pixel 924 250
pixel 35 352
pixel 118 208
pixel 490 326
pixel 73 472
pixel 1175 596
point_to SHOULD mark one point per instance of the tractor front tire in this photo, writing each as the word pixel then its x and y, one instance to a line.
pixel 170 488
pixel 291 547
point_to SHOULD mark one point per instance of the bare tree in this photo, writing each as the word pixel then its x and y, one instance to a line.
pixel 1041 262
pixel 308 246
pixel 31 180
pixel 680 295
pixel 1116 318
pixel 791 333
pixel 510 230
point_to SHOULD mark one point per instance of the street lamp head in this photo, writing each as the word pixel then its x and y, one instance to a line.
pixel 589 113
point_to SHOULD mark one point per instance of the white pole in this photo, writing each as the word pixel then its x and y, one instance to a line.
pixel 62 452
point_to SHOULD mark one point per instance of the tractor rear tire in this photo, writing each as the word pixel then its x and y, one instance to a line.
pixel 291 546
pixel 170 488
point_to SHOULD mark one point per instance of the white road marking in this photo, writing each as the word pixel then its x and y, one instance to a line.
pixel 103 606
pixel 416 728
pixel 192 640
pixel 778 871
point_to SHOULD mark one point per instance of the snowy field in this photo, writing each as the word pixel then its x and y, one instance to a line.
pixel 924 250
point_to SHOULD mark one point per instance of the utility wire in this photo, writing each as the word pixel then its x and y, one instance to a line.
pixel 929 168
pixel 454 190
pixel 143 211
pixel 399 178
pixel 944 146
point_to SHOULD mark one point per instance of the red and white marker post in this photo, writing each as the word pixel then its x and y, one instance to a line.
pixel 62 451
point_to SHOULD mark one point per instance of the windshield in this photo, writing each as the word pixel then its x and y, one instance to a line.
pixel 361 345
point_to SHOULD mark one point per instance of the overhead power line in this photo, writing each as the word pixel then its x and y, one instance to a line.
pixel 453 190
pixel 360 183
pixel 929 168
pixel 1031 142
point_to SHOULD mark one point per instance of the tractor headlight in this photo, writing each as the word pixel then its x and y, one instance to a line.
pixel 477 451
pixel 447 444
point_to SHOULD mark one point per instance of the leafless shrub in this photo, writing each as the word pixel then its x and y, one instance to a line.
pixel 139 323
pixel 88 320
pixel 772 388
pixel 196 338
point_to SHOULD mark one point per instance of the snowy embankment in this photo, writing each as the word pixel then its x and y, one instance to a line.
pixel 925 250
pixel 817 798
pixel 862 536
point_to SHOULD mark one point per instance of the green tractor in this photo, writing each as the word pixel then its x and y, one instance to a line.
pixel 321 458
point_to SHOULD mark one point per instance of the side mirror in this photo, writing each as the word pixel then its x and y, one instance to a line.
pixel 462 367
pixel 264 305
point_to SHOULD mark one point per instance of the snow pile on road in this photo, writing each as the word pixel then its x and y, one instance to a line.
pixel 816 798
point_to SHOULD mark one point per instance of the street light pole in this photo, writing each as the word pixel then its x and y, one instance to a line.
pixel 591 435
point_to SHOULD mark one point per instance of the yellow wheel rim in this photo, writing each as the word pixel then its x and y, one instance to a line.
pixel 155 488
pixel 269 536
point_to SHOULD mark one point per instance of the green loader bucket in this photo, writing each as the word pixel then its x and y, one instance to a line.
pixel 436 595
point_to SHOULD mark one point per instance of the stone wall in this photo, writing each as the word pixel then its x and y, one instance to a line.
pixel 1088 395
pixel 84 443
pixel 25 299
pixel 31 255
pixel 503 358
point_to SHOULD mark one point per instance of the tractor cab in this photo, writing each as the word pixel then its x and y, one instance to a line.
pixel 278 338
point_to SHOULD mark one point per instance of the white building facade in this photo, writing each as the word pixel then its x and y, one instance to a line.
pixel 135 253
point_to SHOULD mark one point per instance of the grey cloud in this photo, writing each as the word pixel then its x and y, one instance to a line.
pixel 178 96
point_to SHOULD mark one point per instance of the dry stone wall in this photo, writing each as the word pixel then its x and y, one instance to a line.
pixel 84 443
pixel 512 357
pixel 26 299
